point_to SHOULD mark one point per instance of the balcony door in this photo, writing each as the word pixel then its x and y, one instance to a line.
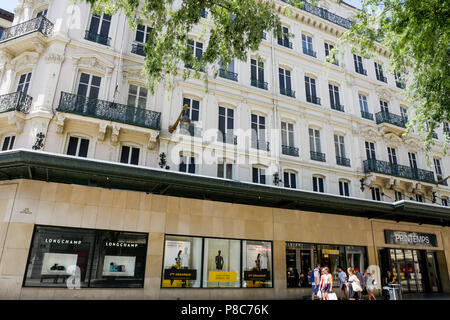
pixel 87 94
pixel 226 125
pixel 99 28
pixel 258 131
pixel 24 82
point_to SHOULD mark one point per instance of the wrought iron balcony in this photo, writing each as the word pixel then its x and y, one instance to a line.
pixel 259 84
pixel 361 71
pixel 337 107
pixel 311 53
pixel 94 37
pixel 317 156
pixel 285 43
pixel 343 161
pixel 287 92
pixel 398 170
pixel 227 138
pixel 367 115
pixel 18 101
pixel 391 118
pixel 260 144
pixel 290 151
pixel 400 84
pixel 138 48
pixel 41 24
pixel 106 110
pixel 228 74
pixel 313 99
pixel 381 78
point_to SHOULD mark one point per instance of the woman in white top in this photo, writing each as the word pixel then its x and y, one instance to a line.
pixel 370 285
pixel 326 283
pixel 352 278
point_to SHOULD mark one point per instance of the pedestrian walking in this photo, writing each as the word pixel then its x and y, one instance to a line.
pixel 314 278
pixel 326 283
pixel 370 284
pixel 361 282
pixel 342 283
pixel 353 284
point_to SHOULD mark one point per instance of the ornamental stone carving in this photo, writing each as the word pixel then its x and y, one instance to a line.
pixel 153 137
pixel 60 119
pixel 115 135
pixel 102 131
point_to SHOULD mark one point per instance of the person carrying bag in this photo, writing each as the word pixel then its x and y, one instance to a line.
pixel 353 281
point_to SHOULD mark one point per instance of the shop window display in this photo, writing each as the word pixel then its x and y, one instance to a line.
pixel 61 257
pixel 257 264
pixel 221 263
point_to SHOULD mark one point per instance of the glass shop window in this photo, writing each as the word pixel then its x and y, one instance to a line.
pixel 63 257
pixel 182 262
pixel 221 263
pixel 257 264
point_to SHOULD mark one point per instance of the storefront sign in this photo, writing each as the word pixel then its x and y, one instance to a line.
pixel 330 251
pixel 410 238
pixel 121 244
pixel 180 274
pixel 256 275
pixel 62 241
pixel 222 276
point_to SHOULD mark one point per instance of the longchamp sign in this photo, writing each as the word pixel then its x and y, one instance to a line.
pixel 410 238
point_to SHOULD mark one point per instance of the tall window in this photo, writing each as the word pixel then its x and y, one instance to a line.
pixel 419 198
pixel 398 81
pixel 328 48
pixel 89 86
pixel 339 146
pixel 437 168
pixel 370 150
pixel 398 195
pixel 314 140
pixel 384 106
pixel 363 103
pixel 376 194
pixel 446 127
pixel 187 164
pixel 318 184
pixel 392 154
pixel 137 96
pixel 344 189
pixel 285 82
pixel 99 29
pixel 379 72
pixel 24 82
pixel 257 74
pixel 290 180
pixel 284 41
pixel 78 147
pixel 259 175
pixel 307 45
pixel 142 33
pixel 311 92
pixel 334 97
pixel 8 142
pixel 193 111
pixel 412 160
pixel 359 68
pixel 129 155
pixel 287 134
pixel 226 124
pixel 225 170
pixel 258 131
pixel 404 114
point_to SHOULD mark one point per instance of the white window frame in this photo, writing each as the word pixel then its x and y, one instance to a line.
pixel 137 96
pixel 131 146
pixel 317 183
pixel 342 182
pixel 12 137
pixel 77 151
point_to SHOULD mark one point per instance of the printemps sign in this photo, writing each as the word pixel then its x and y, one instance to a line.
pixel 410 238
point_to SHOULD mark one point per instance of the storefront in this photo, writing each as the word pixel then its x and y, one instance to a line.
pixel 301 259
pixel 417 271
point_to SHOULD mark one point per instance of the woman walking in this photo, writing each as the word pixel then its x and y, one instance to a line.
pixel 370 284
pixel 353 285
pixel 326 283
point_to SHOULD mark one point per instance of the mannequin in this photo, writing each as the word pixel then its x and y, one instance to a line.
pixel 219 261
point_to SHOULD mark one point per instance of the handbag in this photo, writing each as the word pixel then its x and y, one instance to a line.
pixel 356 287
pixel 332 296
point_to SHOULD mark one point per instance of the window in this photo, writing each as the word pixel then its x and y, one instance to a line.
pixel 398 195
pixel 392 154
pixel 24 82
pixel 99 29
pixel 258 175
pixel 419 198
pixel 129 155
pixel 404 114
pixel 359 68
pixel 384 106
pixel 197 49
pixel 311 93
pixel 308 45
pixel 226 125
pixel 446 127
pixel 42 13
pixel 193 110
pixel 376 194
pixel 287 134
pixel 187 164
pixel 318 184
pixel 61 257
pixel 370 151
pixel 412 160
pixel 225 170
pixel 364 107
pixel 142 33
pixel 258 126
pixel 379 72
pixel 257 264
pixel 344 189
pixel 137 96
pixel 285 82
pixel 314 140
pixel 8 142
pixel 78 147
pixel 334 98
pixel 328 48
pixel 398 81
pixel 227 71
pixel 445 202
pixel 257 74
pixel 339 146
pixel 290 180
pixel 89 86
pixel 284 41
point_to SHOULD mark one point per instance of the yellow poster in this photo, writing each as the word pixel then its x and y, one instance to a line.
pixel 222 276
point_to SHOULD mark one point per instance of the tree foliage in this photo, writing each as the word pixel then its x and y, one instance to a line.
pixel 415 32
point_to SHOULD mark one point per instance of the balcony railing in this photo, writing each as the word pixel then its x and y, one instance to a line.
pixel 138 48
pixel 398 170
pixel 227 138
pixel 259 84
pixel 317 156
pixel 367 115
pixel 400 84
pixel 18 101
pixel 391 118
pixel 287 92
pixel 228 75
pixel 260 144
pixel 94 37
pixel 381 78
pixel 313 99
pixel 290 151
pixel 337 107
pixel 343 161
pixel 311 53
pixel 285 43
pixel 361 71
pixel 41 24
pixel 106 110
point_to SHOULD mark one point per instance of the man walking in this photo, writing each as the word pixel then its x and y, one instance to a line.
pixel 315 276
pixel 342 280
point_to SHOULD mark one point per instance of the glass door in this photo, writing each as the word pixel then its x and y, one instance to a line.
pixel 432 272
